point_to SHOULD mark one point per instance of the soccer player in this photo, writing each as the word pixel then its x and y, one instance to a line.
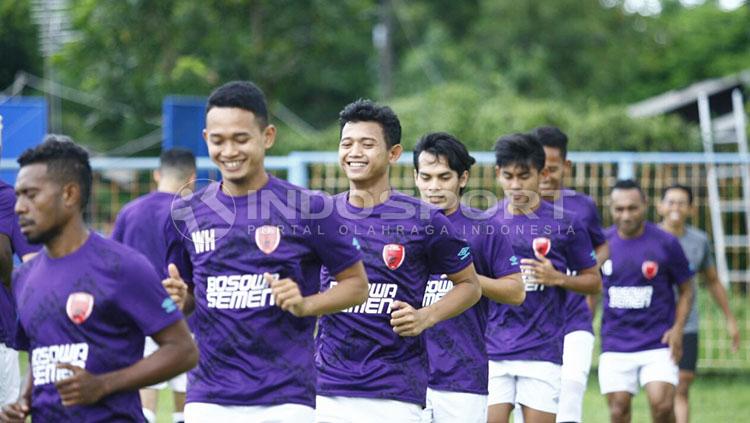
pixel 578 344
pixel 251 247
pixel 675 207
pixel 525 342
pixel 85 303
pixel 371 360
pixel 457 389
pixel 641 331
pixel 11 242
pixel 134 227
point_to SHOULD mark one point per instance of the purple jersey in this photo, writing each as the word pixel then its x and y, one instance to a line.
pixel 252 352
pixel 136 225
pixel 534 329
pixel 456 349
pixel 638 282
pixel 20 247
pixel 358 354
pixel 91 308
pixel 577 312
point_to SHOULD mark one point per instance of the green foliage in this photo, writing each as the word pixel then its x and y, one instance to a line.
pixel 19 47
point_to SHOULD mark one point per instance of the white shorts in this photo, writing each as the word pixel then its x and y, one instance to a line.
pixel 534 384
pixel 449 407
pixel 340 409
pixel 622 372
pixel 577 349
pixel 10 379
pixel 202 412
pixel 177 383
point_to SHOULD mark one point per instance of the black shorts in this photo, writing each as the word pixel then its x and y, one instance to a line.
pixel 689 352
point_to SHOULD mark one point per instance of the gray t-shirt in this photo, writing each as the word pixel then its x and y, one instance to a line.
pixel 698 251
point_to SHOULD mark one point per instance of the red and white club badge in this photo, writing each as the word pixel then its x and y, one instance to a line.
pixel 267 238
pixel 79 306
pixel 394 255
pixel 649 269
pixel 541 246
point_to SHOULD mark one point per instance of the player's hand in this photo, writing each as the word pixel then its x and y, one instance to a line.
pixel 408 321
pixel 734 333
pixel 81 388
pixel 175 286
pixel 542 271
pixel 286 295
pixel 15 413
pixel 673 337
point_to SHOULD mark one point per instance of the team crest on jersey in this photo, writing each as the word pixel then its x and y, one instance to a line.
pixel 394 255
pixel 541 246
pixel 267 238
pixel 79 306
pixel 649 268
pixel 607 268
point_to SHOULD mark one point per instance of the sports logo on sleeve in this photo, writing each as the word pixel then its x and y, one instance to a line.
pixel 394 255
pixel 649 268
pixel 267 238
pixel 541 246
pixel 79 306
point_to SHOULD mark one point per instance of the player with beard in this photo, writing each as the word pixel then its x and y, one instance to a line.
pixel 85 303
pixel 641 326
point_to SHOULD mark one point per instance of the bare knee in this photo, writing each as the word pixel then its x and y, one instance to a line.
pixel 662 411
pixel 619 408
pixel 683 387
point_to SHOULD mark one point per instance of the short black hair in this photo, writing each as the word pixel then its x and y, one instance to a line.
pixel 685 188
pixel 552 136
pixel 628 184
pixel 179 160
pixel 364 110
pixel 519 149
pixel 66 162
pixel 446 145
pixel 240 95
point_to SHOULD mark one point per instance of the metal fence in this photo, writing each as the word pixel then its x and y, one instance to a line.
pixel 119 180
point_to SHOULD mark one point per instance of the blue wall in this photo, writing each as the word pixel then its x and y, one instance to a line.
pixel 183 121
pixel 24 125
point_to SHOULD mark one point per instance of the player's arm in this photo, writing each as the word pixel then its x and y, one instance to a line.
pixel 719 295
pixel 508 289
pixel 408 321
pixel 18 411
pixel 673 336
pixel 6 260
pixel 586 281
pixel 177 354
pixel 351 290
pixel 602 253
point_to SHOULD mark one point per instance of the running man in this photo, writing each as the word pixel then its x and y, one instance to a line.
pixel 371 360
pixel 578 344
pixel 134 227
pixel 525 343
pixel 641 327
pixel 250 250
pixel 675 207
pixel 85 303
pixel 457 389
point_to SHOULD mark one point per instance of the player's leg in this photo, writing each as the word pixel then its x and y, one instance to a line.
pixel 687 375
pixel 341 409
pixel 10 379
pixel 659 375
pixel 179 386
pixel 449 407
pixel 577 349
pixel 502 392
pixel 618 381
pixel 661 401
pixel 531 415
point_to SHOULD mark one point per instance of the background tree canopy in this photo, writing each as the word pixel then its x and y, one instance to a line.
pixel 477 68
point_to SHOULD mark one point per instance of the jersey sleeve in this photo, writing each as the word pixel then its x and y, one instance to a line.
pixel 579 253
pixel 678 266
pixel 176 251
pixel 144 299
pixel 594 224
pixel 16 334
pixel 446 251
pixel 7 213
pixel 336 249
pixel 118 232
